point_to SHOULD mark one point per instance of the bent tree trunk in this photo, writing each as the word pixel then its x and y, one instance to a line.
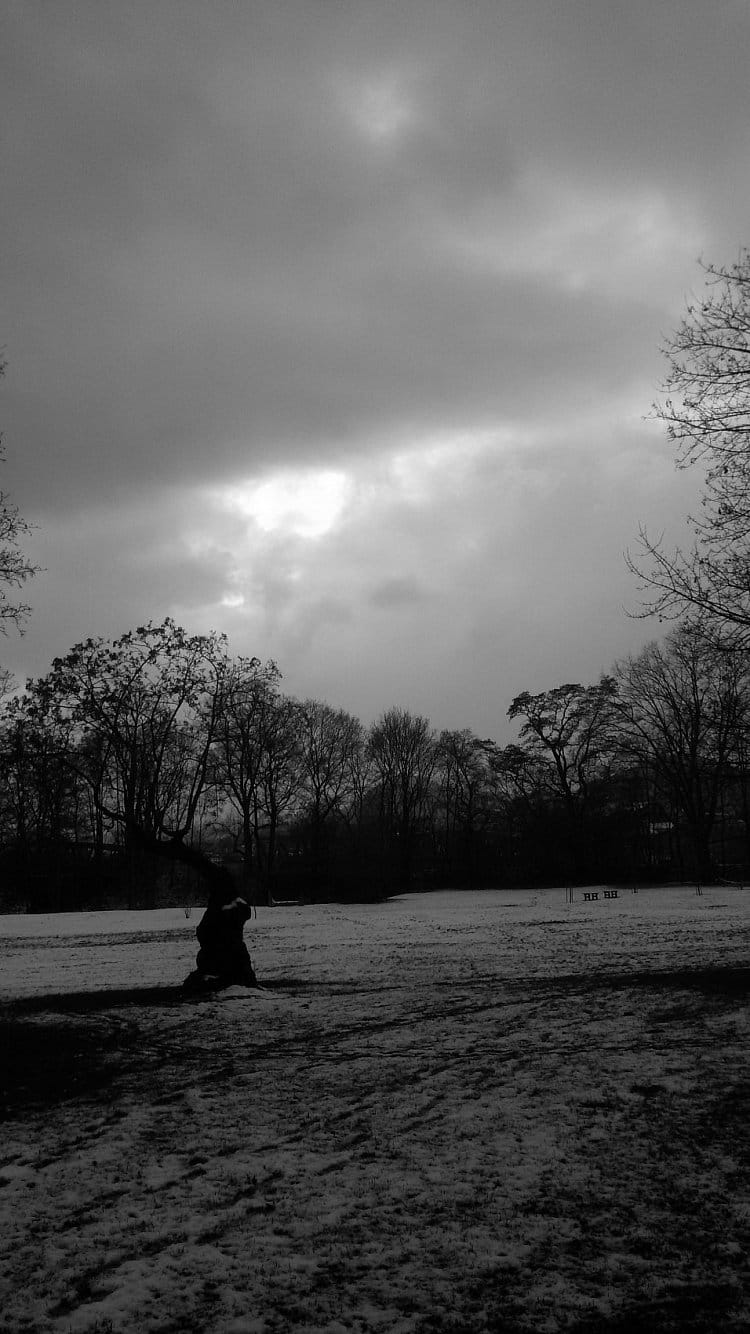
pixel 223 959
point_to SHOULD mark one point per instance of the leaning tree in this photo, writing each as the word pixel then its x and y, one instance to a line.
pixel 146 708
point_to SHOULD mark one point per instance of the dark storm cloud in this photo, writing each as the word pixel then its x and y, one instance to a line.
pixel 396 592
pixel 243 239
pixel 209 264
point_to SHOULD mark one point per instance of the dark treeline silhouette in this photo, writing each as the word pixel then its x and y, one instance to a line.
pixel 156 767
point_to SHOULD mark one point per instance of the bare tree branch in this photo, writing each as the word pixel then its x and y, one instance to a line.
pixel 706 410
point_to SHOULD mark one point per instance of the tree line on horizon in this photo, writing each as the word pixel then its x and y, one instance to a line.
pixel 136 765
pixel 139 765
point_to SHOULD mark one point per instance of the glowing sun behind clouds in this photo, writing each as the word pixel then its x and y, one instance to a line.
pixel 305 503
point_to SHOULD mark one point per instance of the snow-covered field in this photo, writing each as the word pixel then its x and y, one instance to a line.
pixel 449 1112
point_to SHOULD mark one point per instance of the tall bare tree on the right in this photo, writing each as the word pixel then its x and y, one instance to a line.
pixel 706 409
pixel 15 567
pixel 683 709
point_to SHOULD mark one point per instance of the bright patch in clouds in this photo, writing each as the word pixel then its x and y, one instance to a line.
pixel 380 107
pixel 577 234
pixel 442 465
pixel 273 566
pixel 304 504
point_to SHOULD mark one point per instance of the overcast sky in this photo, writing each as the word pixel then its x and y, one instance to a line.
pixel 334 325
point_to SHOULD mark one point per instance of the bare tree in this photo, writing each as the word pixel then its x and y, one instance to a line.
pixel 572 729
pixel 152 699
pixel 706 410
pixel 279 776
pixel 467 789
pixel 404 753
pixel 258 752
pixel 40 798
pixel 251 691
pixel 150 704
pixel 330 743
pixel 683 705
pixel 571 726
pixel 522 795
pixel 15 567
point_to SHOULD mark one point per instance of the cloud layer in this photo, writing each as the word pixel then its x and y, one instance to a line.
pixel 334 326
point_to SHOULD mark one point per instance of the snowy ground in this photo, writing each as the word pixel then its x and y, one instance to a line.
pixel 450 1112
